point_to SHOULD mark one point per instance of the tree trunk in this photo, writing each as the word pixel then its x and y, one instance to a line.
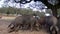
pixel 54 11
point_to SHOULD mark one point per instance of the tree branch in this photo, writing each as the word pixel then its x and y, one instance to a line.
pixel 23 1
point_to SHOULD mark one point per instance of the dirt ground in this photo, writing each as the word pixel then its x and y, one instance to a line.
pixel 6 22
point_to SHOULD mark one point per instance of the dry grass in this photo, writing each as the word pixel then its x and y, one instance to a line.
pixel 8 18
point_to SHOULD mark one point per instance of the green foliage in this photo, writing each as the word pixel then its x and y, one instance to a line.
pixel 11 10
pixel 7 13
pixel 39 13
pixel 59 12
pixel 22 11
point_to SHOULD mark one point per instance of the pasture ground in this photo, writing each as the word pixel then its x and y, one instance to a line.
pixel 5 21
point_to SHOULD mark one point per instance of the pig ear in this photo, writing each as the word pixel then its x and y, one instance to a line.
pixel 11 26
pixel 34 16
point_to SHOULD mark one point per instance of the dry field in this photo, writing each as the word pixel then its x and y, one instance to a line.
pixel 5 21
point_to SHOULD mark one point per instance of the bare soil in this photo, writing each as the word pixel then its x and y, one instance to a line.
pixel 4 30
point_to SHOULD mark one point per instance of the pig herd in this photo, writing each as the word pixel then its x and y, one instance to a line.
pixel 30 22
